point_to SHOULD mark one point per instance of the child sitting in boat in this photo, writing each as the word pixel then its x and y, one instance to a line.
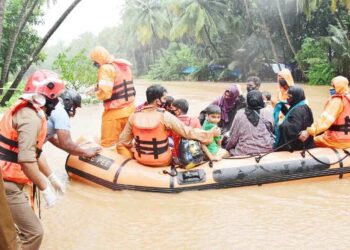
pixel 267 100
pixel 213 150
pixel 180 108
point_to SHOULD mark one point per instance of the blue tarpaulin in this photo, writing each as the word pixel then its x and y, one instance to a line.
pixel 189 70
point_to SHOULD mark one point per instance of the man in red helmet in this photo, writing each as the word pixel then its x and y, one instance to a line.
pixel 22 133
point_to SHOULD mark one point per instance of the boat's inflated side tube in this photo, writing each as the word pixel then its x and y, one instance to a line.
pixel 270 170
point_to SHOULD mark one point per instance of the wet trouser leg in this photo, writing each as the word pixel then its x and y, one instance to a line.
pixel 7 227
pixel 30 229
pixel 111 128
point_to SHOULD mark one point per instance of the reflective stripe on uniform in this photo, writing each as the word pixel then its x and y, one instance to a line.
pixel 105 83
pixel 328 116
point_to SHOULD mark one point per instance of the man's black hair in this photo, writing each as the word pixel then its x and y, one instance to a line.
pixel 168 101
pixel 181 104
pixel 267 95
pixel 213 109
pixel 155 92
pixel 256 80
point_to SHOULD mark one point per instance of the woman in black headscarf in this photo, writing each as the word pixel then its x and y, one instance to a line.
pixel 298 118
pixel 251 131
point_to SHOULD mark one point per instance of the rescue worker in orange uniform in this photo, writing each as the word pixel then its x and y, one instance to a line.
pixel 334 120
pixel 7 226
pixel 116 89
pixel 22 135
pixel 145 135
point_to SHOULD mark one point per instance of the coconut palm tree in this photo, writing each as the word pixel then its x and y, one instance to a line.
pixel 200 18
pixel 147 19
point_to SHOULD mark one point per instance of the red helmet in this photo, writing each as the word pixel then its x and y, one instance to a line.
pixel 45 82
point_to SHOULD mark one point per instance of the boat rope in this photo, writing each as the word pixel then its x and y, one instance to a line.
pixel 347 153
pixel 174 168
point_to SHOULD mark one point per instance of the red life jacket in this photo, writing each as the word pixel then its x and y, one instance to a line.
pixel 151 138
pixel 123 92
pixel 11 170
pixel 340 129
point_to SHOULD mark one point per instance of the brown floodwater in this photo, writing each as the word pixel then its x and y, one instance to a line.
pixel 290 215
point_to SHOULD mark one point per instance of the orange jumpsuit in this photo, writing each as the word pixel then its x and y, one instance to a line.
pixel 112 73
pixel 336 109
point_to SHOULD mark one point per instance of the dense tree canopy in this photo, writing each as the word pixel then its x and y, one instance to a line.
pixel 234 38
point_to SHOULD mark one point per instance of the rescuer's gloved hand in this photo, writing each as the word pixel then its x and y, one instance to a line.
pixel 56 183
pixel 49 197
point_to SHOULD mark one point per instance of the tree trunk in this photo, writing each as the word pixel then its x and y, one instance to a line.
pixel 35 53
pixel 210 41
pixel 285 27
pixel 22 20
pixel 268 36
pixel 287 36
pixel 2 12
pixel 250 20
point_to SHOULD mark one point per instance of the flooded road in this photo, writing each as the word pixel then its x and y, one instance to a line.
pixel 290 215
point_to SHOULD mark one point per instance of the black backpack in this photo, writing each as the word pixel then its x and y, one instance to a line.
pixel 190 152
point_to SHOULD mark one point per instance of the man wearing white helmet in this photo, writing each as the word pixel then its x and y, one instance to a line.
pixel 23 131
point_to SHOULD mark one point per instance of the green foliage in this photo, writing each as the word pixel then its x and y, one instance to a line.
pixel 196 15
pixel 147 18
pixel 174 60
pixel 314 59
pixel 230 33
pixel 77 70
pixel 14 97
pixel 339 43
pixel 27 40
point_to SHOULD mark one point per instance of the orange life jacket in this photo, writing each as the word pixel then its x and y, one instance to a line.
pixel 340 129
pixel 151 138
pixel 123 92
pixel 11 170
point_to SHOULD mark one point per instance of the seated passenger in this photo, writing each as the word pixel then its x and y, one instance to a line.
pixel 334 120
pixel 229 103
pixel 252 129
pixel 213 150
pixel 267 100
pixel 285 80
pixel 253 83
pixel 167 105
pixel 146 132
pixel 179 109
pixel 298 117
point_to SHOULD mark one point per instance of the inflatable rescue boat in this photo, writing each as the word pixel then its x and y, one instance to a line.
pixel 111 170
